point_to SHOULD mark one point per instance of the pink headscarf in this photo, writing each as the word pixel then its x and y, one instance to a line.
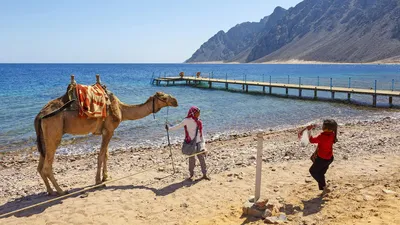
pixel 192 111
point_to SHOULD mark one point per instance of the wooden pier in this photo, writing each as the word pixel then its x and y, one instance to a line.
pixel 189 80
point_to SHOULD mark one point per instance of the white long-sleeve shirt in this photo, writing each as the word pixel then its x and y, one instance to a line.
pixel 191 128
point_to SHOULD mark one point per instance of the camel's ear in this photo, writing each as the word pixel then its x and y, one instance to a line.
pixel 162 95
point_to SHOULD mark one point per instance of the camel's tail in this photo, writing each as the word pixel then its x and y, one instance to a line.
pixel 39 135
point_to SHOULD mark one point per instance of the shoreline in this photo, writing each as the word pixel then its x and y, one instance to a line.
pixel 79 141
pixel 24 155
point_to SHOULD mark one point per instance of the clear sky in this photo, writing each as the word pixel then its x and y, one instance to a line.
pixel 126 31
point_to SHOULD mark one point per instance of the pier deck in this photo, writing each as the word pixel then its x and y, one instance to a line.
pixel 245 84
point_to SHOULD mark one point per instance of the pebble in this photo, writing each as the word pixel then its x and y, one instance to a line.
pixel 184 205
pixel 387 191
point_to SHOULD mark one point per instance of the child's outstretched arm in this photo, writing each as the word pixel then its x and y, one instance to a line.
pixel 180 125
pixel 309 127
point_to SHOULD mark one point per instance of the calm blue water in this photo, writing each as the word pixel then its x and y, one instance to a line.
pixel 26 88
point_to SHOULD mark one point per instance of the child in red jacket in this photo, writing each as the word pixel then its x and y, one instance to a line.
pixel 323 155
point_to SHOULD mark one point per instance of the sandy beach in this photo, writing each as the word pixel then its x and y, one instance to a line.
pixel 365 178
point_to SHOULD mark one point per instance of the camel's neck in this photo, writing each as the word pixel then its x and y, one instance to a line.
pixel 135 112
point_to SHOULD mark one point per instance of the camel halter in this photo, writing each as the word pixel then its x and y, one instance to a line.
pixel 154 98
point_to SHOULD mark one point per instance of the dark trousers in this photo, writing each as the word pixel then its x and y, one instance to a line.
pixel 192 163
pixel 318 170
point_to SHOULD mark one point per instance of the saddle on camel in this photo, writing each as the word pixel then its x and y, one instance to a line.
pixel 92 102
pixel 83 110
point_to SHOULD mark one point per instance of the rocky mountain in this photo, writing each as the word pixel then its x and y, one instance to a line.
pixel 314 30
pixel 238 42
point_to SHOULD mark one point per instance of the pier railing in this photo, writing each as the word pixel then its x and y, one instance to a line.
pixel 317 84
pixel 344 82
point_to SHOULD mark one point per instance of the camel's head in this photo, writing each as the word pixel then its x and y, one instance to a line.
pixel 164 100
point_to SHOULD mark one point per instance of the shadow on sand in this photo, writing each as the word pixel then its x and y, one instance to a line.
pixel 311 206
pixel 160 192
pixel 32 200
pixel 37 199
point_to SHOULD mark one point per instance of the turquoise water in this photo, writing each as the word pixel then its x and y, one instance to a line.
pixel 26 88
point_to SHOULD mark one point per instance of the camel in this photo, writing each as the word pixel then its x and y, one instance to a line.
pixel 53 121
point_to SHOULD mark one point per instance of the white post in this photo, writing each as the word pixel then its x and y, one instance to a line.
pixel 259 165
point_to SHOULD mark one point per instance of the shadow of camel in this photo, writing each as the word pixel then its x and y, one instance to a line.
pixel 35 199
pixel 31 200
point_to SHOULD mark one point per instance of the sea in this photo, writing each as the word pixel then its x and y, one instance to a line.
pixel 26 88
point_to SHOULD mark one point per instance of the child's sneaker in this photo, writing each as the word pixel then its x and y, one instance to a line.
pixel 205 177
pixel 326 190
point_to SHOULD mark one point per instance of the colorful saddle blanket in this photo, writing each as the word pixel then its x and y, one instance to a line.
pixel 92 100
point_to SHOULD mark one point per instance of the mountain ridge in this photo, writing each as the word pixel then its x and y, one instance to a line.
pixel 338 31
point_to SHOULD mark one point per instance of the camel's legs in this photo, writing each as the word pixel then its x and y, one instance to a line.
pixel 101 159
pixel 105 175
pixel 51 146
pixel 46 181
pixel 48 170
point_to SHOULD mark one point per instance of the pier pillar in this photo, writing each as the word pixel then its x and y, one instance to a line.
pixel 374 100
pixel 264 89
pixel 173 82
pixel 270 90
pixel 243 87
pixel 247 88
pixel 348 96
pixel 287 92
pixel 300 93
pixel 390 101
pixel 209 84
pixel 226 86
pixel 167 82
pixel 315 94
pixel 333 95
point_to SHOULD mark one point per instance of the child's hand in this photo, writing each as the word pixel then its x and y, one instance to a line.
pixel 312 126
pixel 300 133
